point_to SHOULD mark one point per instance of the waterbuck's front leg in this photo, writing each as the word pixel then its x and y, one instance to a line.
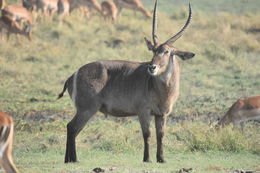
pixel 145 125
pixel 160 122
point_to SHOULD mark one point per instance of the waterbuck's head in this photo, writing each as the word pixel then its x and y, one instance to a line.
pixel 164 53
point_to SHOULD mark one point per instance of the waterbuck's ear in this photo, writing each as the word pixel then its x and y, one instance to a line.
pixel 184 55
pixel 149 44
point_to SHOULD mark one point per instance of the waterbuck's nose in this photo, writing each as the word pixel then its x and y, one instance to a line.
pixel 152 68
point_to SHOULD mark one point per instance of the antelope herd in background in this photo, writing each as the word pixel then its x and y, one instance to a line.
pixel 19 20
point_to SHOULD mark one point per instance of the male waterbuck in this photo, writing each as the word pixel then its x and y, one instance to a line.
pixel 241 111
pixel 6 142
pixel 123 88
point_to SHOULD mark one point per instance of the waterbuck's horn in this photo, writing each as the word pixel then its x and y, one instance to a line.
pixel 181 32
pixel 154 32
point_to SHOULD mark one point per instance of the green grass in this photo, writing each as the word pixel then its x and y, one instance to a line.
pixel 231 6
pixel 122 162
pixel 108 144
pixel 225 68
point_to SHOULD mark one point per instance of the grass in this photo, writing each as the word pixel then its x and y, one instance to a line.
pixel 131 162
pixel 118 145
pixel 225 68
pixel 231 6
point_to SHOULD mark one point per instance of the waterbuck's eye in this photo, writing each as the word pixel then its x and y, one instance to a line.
pixel 166 52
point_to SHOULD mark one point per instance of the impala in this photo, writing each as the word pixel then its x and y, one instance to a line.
pixel 241 111
pixel 6 142
pixel 30 4
pixel 47 7
pixel 17 13
pixel 124 88
pixel 109 9
pixel 65 7
pixel 12 27
pixel 135 5
pixel 94 4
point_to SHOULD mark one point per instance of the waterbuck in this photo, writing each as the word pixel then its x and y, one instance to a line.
pixel 123 88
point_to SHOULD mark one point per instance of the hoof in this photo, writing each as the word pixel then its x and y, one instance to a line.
pixel 71 161
pixel 147 161
pixel 161 161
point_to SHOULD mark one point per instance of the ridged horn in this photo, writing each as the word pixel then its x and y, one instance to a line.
pixel 154 31
pixel 181 32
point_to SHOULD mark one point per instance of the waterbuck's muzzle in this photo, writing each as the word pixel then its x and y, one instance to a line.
pixel 152 69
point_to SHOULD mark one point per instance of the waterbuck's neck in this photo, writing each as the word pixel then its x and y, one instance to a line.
pixel 167 84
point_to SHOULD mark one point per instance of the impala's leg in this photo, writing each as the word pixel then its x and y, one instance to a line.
pixel 144 11
pixel 45 13
pixel 145 125
pixel 242 125
pixel 7 160
pixel 1 31
pixel 160 122
pixel 7 164
pixel 135 12
pixel 8 35
pixel 119 10
pixel 73 129
pixel 2 35
pixel 114 19
pixel 18 38
pixel 85 12
pixel 30 35
pixel 51 14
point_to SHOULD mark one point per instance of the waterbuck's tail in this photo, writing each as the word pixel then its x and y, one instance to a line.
pixel 64 89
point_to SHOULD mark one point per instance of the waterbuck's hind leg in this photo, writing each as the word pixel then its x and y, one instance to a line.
pixel 145 125
pixel 73 129
pixel 160 122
